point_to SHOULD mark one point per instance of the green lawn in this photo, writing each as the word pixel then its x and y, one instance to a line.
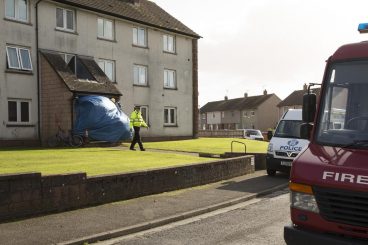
pixel 210 145
pixel 93 161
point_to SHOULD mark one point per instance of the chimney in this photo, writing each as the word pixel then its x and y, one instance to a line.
pixel 226 98
pixel 245 95
pixel 265 92
pixel 305 87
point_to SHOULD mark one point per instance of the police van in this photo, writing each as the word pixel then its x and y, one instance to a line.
pixel 286 142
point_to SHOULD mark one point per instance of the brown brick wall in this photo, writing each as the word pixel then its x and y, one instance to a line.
pixel 56 102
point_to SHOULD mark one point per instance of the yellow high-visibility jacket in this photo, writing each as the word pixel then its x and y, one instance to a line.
pixel 136 120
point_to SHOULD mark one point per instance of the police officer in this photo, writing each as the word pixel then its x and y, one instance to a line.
pixel 136 122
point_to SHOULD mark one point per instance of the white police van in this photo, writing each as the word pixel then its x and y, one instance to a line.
pixel 286 143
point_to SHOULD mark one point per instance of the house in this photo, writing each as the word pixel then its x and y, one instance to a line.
pixel 55 51
pixel 259 112
pixel 295 100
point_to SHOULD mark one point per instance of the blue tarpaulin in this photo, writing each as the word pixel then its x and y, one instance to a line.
pixel 103 119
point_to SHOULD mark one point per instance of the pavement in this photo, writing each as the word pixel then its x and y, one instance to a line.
pixel 107 221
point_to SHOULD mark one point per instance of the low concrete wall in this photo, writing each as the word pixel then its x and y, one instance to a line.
pixel 259 158
pixel 29 194
pixel 221 133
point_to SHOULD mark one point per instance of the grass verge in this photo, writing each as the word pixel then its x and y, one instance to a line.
pixel 210 145
pixel 93 161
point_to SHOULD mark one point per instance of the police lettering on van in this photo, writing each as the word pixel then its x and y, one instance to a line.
pixel 292 145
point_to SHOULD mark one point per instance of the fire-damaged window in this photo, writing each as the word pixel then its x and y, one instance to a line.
pixel 75 65
pixel 70 61
pixel 83 72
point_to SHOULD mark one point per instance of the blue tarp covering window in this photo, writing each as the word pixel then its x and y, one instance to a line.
pixel 102 118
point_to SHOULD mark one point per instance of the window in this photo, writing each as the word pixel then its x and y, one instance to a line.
pixel 222 114
pixel 140 75
pixel 144 112
pixel 16 9
pixel 18 111
pixel 65 19
pixel 108 67
pixel 204 116
pixel 170 116
pixel 169 43
pixel 252 113
pixel 245 113
pixel 169 78
pixel 139 36
pixel 105 28
pixel 70 61
pixel 19 58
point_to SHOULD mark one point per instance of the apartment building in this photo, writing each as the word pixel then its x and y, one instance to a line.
pixel 258 112
pixel 130 50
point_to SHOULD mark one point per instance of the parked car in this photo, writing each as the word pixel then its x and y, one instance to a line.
pixel 253 134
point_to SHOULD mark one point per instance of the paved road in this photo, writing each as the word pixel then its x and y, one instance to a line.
pixel 260 221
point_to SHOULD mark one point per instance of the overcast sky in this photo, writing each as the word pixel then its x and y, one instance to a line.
pixel 278 45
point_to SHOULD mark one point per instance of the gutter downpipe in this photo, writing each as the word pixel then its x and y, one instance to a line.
pixel 195 88
pixel 38 75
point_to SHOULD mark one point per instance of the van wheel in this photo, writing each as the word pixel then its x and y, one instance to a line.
pixel 271 172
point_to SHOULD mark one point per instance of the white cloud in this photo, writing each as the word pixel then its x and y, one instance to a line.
pixel 249 46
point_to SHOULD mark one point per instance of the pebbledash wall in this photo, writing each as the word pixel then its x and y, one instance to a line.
pixel 29 194
pixel 84 41
pixel 23 86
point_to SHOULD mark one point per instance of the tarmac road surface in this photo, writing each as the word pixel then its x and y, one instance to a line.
pixel 258 221
pixel 113 220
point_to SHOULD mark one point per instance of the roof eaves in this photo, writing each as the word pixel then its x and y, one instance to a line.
pixel 126 18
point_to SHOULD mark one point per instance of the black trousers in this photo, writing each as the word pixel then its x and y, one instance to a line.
pixel 136 138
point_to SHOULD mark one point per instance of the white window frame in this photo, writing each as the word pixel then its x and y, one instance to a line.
pixel 19 58
pixel 171 121
pixel 137 68
pixel 136 36
pixel 16 11
pixel 145 107
pixel 19 111
pixel 252 113
pixel 222 114
pixel 65 26
pixel 167 83
pixel 102 64
pixel 167 39
pixel 104 23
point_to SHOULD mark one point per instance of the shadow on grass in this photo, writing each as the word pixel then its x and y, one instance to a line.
pixel 257 184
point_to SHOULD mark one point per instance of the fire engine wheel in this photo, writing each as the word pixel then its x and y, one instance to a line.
pixel 271 172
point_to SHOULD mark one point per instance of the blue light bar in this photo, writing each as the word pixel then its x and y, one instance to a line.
pixel 363 28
